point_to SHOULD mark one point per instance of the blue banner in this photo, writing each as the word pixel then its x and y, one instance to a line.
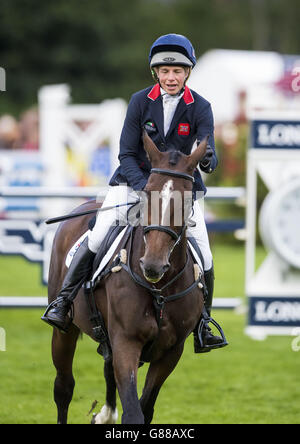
pixel 274 311
pixel 274 134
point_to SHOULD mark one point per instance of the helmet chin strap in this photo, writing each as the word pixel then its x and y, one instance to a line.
pixel 154 75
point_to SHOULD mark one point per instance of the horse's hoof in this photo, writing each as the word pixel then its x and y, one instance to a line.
pixel 106 416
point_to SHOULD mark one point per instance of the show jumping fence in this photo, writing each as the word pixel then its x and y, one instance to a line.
pixel 38 232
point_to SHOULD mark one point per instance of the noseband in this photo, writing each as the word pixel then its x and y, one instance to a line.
pixel 173 174
pixel 177 237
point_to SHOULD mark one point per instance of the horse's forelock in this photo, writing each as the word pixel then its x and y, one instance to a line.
pixel 174 157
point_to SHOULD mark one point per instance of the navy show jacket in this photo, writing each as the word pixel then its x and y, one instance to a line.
pixel 193 120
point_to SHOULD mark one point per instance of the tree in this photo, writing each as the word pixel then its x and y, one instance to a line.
pixel 100 47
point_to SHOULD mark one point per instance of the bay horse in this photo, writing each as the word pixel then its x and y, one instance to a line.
pixel 158 256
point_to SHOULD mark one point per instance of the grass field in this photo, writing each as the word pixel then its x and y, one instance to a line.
pixel 247 382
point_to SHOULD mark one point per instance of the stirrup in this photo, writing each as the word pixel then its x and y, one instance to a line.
pixel 205 320
pixel 69 320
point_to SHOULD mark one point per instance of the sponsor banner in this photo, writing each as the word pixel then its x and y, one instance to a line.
pixel 274 311
pixel 274 134
pixel 31 239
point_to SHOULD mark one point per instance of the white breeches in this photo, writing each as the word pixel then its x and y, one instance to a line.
pixel 115 196
pixel 121 194
pixel 199 232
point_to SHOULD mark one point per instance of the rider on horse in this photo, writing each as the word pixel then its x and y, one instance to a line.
pixel 174 117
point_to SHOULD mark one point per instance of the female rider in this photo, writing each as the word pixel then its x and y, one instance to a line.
pixel 174 116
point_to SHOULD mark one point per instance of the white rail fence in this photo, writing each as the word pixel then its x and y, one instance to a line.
pixel 217 193
pixel 41 302
pixel 38 231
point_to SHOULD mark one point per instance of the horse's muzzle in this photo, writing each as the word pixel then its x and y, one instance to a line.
pixel 153 272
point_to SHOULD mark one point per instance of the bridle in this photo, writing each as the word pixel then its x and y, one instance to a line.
pixel 172 173
pixel 177 237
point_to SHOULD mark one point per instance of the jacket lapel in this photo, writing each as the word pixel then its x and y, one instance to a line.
pixel 156 107
pixel 157 113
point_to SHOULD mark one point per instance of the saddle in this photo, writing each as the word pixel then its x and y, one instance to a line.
pixel 109 240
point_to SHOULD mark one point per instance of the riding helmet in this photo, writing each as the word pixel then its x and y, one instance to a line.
pixel 172 49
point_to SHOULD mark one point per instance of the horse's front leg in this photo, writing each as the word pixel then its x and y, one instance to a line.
pixel 156 376
pixel 126 355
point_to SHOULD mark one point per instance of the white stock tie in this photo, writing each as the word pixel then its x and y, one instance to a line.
pixel 169 105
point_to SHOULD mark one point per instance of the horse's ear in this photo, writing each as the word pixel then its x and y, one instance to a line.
pixel 198 154
pixel 151 149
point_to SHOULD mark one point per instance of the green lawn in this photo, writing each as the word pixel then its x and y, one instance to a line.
pixel 247 382
pixel 20 278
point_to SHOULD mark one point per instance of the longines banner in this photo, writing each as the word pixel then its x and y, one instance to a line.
pixel 274 311
pixel 272 134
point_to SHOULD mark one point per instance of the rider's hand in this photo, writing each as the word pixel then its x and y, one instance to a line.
pixel 205 164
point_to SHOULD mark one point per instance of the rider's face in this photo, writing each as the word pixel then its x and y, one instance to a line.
pixel 172 78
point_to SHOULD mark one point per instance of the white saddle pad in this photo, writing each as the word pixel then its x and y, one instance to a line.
pixel 111 250
pixel 105 259
pixel 73 250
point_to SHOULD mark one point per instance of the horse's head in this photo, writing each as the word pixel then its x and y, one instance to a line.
pixel 169 192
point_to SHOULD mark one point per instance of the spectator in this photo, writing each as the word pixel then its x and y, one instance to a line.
pixel 9 132
pixel 29 130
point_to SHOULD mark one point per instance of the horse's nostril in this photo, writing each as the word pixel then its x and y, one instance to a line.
pixel 166 267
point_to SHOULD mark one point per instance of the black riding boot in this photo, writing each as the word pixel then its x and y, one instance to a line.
pixel 57 311
pixel 204 340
